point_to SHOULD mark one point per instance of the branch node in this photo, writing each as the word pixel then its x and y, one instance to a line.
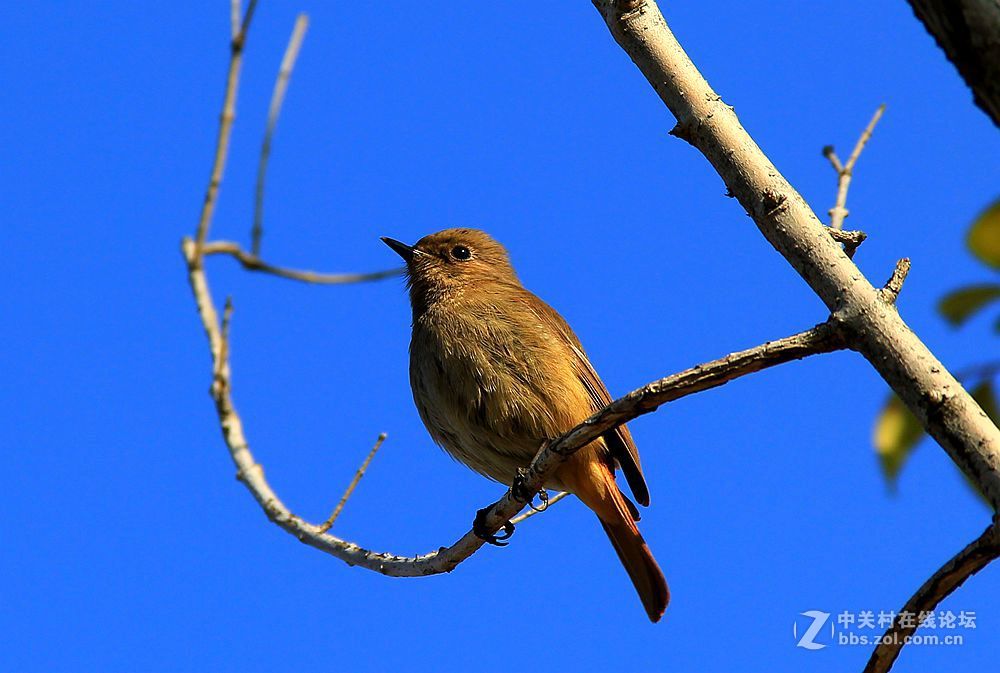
pixel 627 6
pixel 684 129
pixel 773 202
pixel 851 239
pixel 844 171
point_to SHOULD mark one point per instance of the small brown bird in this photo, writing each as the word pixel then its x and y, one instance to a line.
pixel 495 372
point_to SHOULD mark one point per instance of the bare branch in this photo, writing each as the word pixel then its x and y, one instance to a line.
pixel 943 407
pixel 274 111
pixel 935 397
pixel 234 18
pixel 251 262
pixel 328 524
pixel 941 584
pixel 968 31
pixel 531 511
pixel 247 18
pixel 225 122
pixel 839 211
pixel 831 154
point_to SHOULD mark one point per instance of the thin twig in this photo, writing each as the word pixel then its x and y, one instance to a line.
pixel 894 285
pixel 941 584
pixel 839 211
pixel 234 18
pixel 225 124
pixel 530 512
pixel 328 524
pixel 251 262
pixel 247 18
pixel 274 111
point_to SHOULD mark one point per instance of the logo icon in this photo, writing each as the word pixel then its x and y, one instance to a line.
pixel 807 640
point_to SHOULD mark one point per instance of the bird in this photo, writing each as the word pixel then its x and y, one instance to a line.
pixel 495 372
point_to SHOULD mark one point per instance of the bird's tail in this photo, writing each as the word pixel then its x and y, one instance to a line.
pixel 642 568
pixel 594 483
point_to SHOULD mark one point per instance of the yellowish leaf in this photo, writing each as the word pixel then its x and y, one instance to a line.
pixel 984 236
pixel 896 433
pixel 961 304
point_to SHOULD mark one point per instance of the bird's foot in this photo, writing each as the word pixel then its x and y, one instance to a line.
pixel 519 488
pixel 543 500
pixel 482 531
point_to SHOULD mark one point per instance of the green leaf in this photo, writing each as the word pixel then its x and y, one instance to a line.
pixel 959 305
pixel 984 236
pixel 896 433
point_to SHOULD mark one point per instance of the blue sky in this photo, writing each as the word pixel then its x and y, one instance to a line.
pixel 128 544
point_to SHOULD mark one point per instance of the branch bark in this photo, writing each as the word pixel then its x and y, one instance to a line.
pixel 845 171
pixel 871 323
pixel 949 577
pixel 252 262
pixel 273 112
pixel 969 33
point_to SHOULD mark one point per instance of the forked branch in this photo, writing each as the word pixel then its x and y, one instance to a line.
pixel 845 172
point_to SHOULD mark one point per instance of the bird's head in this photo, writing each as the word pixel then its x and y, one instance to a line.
pixel 453 260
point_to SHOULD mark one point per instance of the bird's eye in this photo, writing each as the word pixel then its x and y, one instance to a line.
pixel 461 253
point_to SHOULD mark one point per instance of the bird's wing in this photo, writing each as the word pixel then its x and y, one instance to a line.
pixel 619 441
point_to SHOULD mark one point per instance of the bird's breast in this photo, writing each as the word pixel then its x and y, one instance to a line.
pixel 491 386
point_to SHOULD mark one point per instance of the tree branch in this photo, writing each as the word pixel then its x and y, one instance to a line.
pixel 969 33
pixel 872 327
pixel 251 262
pixel 532 511
pixel 839 211
pixel 871 324
pixel 328 524
pixel 273 112
pixel 226 118
pixel 941 584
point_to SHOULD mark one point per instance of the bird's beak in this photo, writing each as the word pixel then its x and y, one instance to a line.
pixel 402 249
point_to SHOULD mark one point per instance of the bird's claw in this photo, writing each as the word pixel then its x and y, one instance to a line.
pixel 518 488
pixel 481 531
pixel 543 498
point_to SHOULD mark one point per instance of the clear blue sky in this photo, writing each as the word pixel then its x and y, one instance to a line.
pixel 129 546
